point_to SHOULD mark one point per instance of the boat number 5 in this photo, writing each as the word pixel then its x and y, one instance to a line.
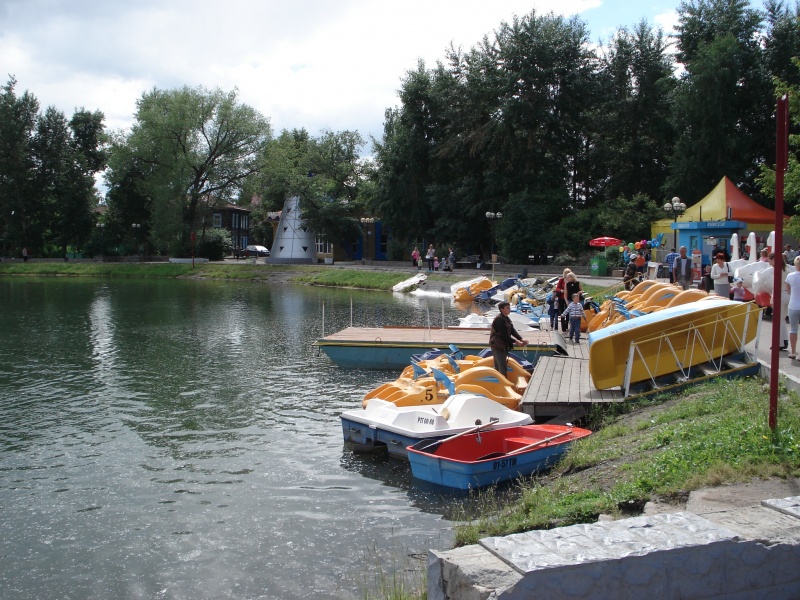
pixel 428 394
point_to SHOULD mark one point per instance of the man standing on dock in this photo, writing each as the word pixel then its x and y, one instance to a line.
pixel 502 338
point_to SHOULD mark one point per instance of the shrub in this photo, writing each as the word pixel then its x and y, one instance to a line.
pixel 214 244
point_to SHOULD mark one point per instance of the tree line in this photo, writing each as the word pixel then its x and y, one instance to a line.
pixel 567 139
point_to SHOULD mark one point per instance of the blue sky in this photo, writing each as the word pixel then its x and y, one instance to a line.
pixel 311 63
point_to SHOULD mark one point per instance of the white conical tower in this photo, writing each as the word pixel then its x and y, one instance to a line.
pixel 294 242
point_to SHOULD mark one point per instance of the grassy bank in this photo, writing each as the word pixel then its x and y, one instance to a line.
pixel 370 279
pixel 717 434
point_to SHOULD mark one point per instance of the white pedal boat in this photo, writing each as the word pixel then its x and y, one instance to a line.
pixel 384 423
pixel 410 284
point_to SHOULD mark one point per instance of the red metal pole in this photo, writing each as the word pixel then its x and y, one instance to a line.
pixel 781 163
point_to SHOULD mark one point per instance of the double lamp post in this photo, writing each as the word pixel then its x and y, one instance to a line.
pixel 675 209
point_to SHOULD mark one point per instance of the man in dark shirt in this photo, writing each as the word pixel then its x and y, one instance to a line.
pixel 682 269
pixel 502 338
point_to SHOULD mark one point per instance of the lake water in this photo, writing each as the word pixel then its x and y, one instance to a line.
pixel 181 439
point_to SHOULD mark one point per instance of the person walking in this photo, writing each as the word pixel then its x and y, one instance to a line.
pixel 629 278
pixel 502 338
pixel 720 274
pixel 451 260
pixel 669 260
pixel 640 262
pixel 429 257
pixel 793 289
pixel 784 298
pixel 25 255
pixel 572 286
pixel 575 313
pixel 560 293
pixel 415 258
pixel 682 269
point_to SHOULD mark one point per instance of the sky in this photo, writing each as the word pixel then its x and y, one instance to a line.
pixel 313 64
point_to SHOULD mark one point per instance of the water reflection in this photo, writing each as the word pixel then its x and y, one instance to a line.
pixel 182 440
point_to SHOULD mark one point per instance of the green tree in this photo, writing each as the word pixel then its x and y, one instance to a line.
pixel 64 179
pixel 723 103
pixel 631 131
pixel 190 144
pixel 18 116
pixel 326 173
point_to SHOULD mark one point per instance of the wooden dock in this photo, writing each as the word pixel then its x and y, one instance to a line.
pixel 392 347
pixel 562 387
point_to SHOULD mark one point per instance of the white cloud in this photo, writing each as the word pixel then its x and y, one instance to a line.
pixel 313 64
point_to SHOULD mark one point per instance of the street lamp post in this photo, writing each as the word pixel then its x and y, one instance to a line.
pixel 136 227
pixel 675 209
pixel 492 217
pixel 367 222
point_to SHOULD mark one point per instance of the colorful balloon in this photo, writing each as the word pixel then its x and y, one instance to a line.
pixel 630 246
pixel 637 245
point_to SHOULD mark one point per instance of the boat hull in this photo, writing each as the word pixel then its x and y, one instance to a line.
pixel 695 330
pixel 383 423
pixel 480 459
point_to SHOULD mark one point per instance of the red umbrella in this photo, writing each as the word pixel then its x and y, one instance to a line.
pixel 605 241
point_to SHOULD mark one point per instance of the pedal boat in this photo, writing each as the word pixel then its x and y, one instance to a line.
pixel 384 423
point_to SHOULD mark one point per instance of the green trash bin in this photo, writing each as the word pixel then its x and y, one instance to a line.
pixel 599 266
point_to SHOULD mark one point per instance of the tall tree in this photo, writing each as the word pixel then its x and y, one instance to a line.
pixel 631 131
pixel 64 179
pixel 193 144
pixel 723 103
pixel 18 116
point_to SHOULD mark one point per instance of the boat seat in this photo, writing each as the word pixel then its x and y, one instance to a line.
pixel 522 440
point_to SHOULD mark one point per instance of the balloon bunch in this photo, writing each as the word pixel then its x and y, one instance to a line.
pixel 656 242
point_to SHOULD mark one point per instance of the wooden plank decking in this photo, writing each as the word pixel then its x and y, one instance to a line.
pixel 562 383
pixel 416 335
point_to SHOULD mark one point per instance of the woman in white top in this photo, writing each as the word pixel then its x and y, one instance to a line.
pixel 793 287
pixel 720 271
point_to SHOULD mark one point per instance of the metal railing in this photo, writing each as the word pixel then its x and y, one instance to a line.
pixel 707 341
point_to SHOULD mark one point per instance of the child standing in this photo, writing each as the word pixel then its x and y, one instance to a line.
pixel 575 313
pixel 435 263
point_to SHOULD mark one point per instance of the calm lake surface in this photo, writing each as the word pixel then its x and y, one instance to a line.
pixel 181 439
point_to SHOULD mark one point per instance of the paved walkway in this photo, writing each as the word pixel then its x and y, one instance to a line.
pixel 789 369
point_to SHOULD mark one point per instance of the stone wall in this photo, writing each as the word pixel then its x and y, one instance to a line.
pixel 672 555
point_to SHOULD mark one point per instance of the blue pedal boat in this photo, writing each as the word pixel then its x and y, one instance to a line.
pixel 472 460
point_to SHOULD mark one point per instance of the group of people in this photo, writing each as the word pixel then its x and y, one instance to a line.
pixel 433 261
pixel 566 304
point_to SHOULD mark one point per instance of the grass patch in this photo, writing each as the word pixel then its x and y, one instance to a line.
pixel 717 434
pixel 245 271
pixel 369 280
pixel 105 270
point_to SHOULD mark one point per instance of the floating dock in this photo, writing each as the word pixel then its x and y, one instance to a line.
pixel 392 347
